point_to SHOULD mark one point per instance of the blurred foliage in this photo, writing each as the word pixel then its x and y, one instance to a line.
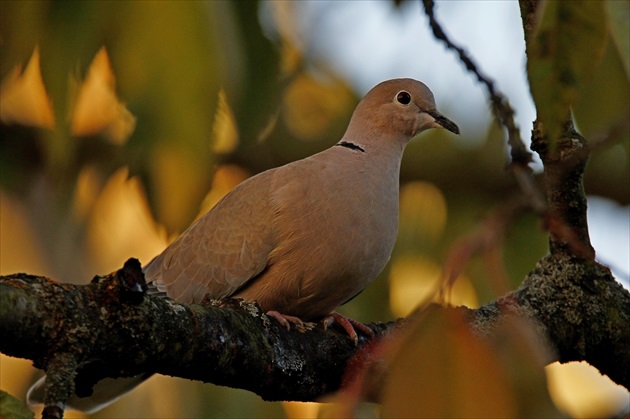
pixel 592 79
pixel 122 122
pixel 442 370
pixel 12 408
pixel 557 70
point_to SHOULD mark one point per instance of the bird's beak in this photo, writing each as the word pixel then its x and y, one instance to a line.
pixel 444 122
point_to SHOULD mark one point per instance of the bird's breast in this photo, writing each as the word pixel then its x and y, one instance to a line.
pixel 335 234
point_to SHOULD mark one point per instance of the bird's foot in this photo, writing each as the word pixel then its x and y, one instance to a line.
pixel 349 325
pixel 286 321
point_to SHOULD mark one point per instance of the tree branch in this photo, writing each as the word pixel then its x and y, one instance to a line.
pixel 564 169
pixel 105 334
pixel 501 108
pixel 112 328
pixel 579 308
pixel 567 293
pixel 80 334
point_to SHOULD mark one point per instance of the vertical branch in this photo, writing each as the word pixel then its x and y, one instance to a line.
pixel 564 163
pixel 564 170
pixel 564 210
pixel 59 385
pixel 528 16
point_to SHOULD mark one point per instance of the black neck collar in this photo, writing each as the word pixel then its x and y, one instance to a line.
pixel 351 146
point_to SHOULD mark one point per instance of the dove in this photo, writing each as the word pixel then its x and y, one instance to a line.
pixel 304 238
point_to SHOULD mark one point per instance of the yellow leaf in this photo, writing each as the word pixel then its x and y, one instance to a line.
pixel 97 109
pixel 23 97
pixel 119 223
pixel 283 14
pixel 224 129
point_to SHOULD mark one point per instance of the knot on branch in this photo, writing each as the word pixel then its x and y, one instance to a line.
pixel 132 281
pixel 128 284
pixel 570 150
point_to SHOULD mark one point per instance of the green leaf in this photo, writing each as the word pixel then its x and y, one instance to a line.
pixel 604 103
pixel 170 78
pixel 562 55
pixel 12 408
pixel 619 18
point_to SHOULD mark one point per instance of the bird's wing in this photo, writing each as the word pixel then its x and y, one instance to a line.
pixel 222 250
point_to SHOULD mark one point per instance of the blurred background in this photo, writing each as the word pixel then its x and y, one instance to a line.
pixel 121 122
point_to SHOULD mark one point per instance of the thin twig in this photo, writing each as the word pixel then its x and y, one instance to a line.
pixel 501 108
pixel 486 240
pixel 520 155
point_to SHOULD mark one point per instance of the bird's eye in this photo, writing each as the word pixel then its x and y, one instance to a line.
pixel 403 97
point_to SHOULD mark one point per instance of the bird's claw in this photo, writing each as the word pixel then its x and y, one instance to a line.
pixel 349 325
pixel 286 321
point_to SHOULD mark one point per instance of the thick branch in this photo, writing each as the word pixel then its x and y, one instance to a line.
pixel 578 307
pixel 232 343
pixel 106 331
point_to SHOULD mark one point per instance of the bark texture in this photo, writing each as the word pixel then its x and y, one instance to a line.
pixel 81 333
pixel 111 327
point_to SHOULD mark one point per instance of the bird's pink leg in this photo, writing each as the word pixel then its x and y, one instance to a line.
pixel 349 325
pixel 286 320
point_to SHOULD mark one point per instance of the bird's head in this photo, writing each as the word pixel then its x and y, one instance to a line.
pixel 399 109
